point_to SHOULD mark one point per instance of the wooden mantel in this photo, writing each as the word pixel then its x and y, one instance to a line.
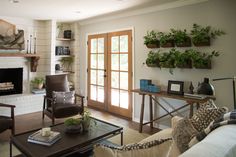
pixel 34 58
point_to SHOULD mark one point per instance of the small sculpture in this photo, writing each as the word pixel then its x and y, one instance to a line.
pixel 191 88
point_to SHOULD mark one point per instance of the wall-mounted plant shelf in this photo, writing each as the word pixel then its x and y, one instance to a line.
pixel 33 57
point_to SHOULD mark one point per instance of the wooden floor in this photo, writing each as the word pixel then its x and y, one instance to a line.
pixel 32 121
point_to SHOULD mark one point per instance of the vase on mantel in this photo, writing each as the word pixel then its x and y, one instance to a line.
pixel 205 88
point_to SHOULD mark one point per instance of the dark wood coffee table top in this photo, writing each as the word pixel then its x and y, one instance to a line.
pixel 69 142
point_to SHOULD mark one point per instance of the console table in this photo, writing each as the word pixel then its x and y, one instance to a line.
pixel 189 102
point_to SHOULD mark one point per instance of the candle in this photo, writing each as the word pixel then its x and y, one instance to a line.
pixel 46 131
pixel 30 42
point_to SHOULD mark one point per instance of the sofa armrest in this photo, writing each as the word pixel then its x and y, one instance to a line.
pixel 175 120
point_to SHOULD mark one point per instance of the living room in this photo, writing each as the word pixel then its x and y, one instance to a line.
pixel 41 30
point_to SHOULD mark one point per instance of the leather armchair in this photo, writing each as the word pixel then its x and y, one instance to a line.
pixel 59 83
pixel 7 122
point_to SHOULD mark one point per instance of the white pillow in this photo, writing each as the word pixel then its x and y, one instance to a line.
pixel 156 148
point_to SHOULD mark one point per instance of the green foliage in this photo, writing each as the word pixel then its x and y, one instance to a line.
pixel 72 121
pixel 180 36
pixel 86 115
pixel 202 60
pixel 151 37
pixel 165 37
pixel 203 34
pixel 153 58
pixel 174 58
pixel 66 62
pixel 37 80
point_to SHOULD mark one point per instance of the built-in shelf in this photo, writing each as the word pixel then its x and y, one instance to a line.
pixel 34 58
pixel 64 39
pixel 64 55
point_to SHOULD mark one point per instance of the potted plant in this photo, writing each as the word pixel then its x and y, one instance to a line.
pixel 184 59
pixel 73 125
pixel 167 59
pixel 59 30
pixel 37 82
pixel 166 39
pixel 181 38
pixel 201 35
pixel 151 39
pixel 153 59
pixel 66 63
pixel 86 120
pixel 203 60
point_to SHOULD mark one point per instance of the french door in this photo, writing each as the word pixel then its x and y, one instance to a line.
pixel 110 72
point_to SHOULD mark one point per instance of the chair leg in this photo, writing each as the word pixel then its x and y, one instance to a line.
pixel 44 101
pixel 53 120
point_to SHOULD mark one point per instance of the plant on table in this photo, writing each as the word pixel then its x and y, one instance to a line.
pixel 86 120
pixel 73 125
pixel 38 82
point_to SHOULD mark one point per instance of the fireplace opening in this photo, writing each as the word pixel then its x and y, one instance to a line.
pixel 11 81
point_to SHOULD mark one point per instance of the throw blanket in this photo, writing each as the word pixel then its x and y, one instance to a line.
pixel 228 118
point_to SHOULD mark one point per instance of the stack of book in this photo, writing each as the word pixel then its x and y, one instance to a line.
pixel 38 91
pixel 44 140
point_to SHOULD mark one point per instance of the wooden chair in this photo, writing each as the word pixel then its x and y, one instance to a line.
pixel 7 122
pixel 59 83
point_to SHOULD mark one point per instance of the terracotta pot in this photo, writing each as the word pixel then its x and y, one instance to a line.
pixel 38 86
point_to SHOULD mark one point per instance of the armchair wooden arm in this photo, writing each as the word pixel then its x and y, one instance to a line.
pixel 82 100
pixel 12 115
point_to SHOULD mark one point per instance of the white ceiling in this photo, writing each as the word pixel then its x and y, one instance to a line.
pixel 66 10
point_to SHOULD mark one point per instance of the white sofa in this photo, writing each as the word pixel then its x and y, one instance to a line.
pixel 219 143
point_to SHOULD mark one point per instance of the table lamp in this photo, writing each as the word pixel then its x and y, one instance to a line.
pixel 233 80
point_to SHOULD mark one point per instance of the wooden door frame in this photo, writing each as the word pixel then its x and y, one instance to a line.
pixel 111 108
pixel 96 104
pixel 133 55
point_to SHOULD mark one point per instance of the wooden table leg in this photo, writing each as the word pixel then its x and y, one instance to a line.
pixel 191 110
pixel 10 148
pixel 141 114
pixel 121 138
pixel 151 112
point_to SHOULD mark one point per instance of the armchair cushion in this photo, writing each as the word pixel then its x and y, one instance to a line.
pixel 63 97
pixel 65 110
pixel 6 123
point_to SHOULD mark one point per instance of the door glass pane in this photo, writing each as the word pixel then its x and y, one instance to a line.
pixel 100 61
pixel 115 97
pixel 93 45
pixel 93 78
pixel 93 92
pixel 115 44
pixel 100 77
pixel 115 62
pixel 100 45
pixel 124 99
pixel 100 94
pixel 115 79
pixel 93 61
pixel 124 80
pixel 124 62
pixel 124 43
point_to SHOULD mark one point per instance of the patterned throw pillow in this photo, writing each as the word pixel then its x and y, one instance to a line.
pixel 182 134
pixel 158 148
pixel 63 97
pixel 205 115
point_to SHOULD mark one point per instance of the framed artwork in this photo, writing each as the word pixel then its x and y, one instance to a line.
pixel 175 87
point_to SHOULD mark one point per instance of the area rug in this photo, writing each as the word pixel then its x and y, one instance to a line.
pixel 129 136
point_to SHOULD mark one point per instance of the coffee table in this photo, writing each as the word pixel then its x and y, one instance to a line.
pixel 69 143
